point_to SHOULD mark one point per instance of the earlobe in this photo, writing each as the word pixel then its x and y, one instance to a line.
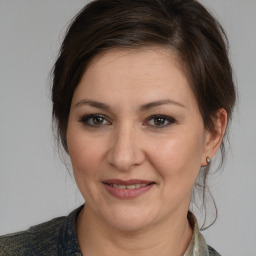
pixel 208 160
pixel 214 138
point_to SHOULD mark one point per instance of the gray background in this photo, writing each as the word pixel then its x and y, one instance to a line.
pixel 34 184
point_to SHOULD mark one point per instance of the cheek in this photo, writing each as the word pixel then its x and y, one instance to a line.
pixel 84 153
pixel 178 158
pixel 86 157
pixel 177 162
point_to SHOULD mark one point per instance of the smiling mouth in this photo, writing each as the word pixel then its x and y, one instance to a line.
pixel 128 186
pixel 127 189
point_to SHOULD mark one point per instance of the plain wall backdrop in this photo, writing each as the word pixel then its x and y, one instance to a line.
pixel 35 186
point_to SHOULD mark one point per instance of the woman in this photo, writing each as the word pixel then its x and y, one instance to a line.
pixel 142 97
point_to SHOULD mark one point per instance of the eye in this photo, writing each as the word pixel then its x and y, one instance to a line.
pixel 95 120
pixel 160 121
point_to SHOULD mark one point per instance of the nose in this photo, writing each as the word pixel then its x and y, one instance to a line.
pixel 125 152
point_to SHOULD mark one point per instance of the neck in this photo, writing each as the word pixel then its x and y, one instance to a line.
pixel 168 238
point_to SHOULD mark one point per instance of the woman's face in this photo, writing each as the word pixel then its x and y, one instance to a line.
pixel 136 138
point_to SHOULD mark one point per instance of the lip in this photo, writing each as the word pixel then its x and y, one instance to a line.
pixel 127 193
pixel 127 182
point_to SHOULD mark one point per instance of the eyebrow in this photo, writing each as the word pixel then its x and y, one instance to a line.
pixel 93 103
pixel 142 108
pixel 154 104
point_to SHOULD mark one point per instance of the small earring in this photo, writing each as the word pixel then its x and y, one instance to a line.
pixel 208 160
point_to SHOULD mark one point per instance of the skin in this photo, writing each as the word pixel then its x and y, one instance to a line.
pixel 126 142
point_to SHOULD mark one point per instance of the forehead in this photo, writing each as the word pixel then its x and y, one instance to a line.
pixel 142 58
pixel 144 74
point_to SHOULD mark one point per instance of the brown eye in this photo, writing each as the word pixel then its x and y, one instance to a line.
pixel 160 121
pixel 97 120
pixel 94 120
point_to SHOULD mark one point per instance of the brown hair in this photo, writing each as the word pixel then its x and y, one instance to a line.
pixel 183 26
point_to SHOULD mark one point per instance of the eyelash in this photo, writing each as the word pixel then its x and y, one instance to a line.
pixel 170 120
pixel 87 118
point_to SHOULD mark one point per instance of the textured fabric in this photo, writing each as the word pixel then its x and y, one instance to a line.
pixel 58 238
pixel 52 238
pixel 198 246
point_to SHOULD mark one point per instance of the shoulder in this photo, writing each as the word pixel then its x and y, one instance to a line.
pixel 37 239
pixel 212 252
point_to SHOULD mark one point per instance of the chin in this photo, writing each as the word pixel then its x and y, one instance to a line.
pixel 130 219
pixel 130 224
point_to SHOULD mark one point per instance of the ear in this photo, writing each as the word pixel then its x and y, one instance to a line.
pixel 213 139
